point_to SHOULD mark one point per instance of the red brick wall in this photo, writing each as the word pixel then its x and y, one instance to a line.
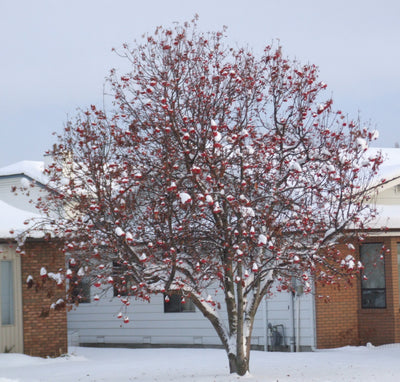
pixel 341 321
pixel 376 326
pixel 45 329
pixel 336 315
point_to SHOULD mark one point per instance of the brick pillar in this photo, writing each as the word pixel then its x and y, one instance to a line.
pixel 45 329
pixel 395 286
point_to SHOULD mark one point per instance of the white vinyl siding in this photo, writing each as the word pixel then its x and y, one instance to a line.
pixel 97 322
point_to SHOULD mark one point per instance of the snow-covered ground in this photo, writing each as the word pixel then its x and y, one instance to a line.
pixel 364 364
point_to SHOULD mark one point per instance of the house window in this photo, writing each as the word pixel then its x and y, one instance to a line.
pixel 81 290
pixel 122 285
pixel 79 285
pixel 174 304
pixel 373 286
pixel 7 292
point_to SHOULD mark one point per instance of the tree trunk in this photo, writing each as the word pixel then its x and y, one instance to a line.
pixel 238 365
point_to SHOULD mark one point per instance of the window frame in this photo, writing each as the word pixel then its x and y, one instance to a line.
pixel 79 287
pixel 379 291
pixel 122 285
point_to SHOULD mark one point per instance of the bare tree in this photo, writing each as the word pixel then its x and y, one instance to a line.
pixel 213 168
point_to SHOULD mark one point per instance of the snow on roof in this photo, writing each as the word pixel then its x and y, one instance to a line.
pixel 13 219
pixel 33 169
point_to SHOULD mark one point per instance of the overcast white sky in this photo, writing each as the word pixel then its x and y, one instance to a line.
pixel 55 55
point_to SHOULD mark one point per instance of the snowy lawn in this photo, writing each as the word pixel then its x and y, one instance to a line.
pixel 364 364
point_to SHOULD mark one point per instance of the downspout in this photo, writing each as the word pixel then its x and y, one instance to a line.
pixel 298 323
pixel 314 320
pixel 265 319
pixel 292 339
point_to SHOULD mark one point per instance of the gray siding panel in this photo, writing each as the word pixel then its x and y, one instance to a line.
pixel 97 322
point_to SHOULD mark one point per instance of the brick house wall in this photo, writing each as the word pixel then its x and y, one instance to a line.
pixel 45 329
pixel 336 316
pixel 340 318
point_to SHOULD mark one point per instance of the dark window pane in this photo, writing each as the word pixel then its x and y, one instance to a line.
pixel 173 304
pixel 80 290
pixel 122 284
pixel 373 298
pixel 79 285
